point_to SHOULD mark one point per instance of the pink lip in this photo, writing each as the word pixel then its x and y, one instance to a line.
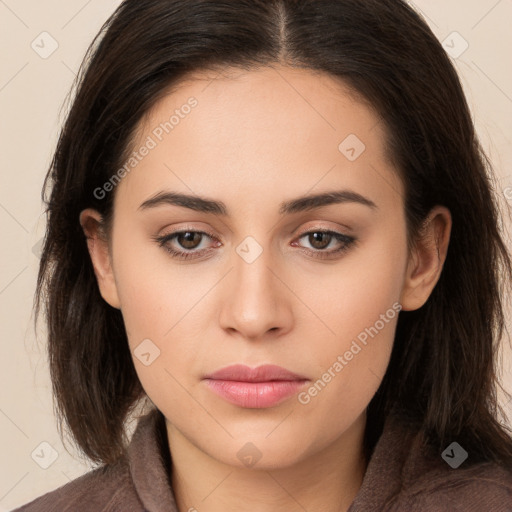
pixel 264 386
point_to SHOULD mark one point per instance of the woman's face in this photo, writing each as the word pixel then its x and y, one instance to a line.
pixel 265 286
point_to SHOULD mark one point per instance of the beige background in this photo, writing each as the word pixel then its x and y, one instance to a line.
pixel 32 91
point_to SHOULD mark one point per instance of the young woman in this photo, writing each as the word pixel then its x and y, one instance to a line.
pixel 272 223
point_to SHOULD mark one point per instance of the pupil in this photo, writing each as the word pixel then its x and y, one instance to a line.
pixel 189 239
pixel 317 238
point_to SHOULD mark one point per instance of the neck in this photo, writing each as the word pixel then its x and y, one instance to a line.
pixel 327 480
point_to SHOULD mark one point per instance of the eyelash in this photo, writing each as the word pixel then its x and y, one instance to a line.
pixel 348 241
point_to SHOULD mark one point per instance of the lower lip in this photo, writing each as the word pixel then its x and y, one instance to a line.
pixel 255 395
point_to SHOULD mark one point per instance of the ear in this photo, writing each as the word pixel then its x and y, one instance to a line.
pixel 97 243
pixel 427 259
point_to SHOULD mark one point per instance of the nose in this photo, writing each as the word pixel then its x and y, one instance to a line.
pixel 257 299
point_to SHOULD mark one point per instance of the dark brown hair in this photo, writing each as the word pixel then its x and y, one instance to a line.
pixel 442 369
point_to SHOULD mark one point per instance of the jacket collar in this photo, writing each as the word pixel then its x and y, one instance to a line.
pixel 148 469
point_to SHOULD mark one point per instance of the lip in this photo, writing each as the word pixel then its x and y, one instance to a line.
pixel 264 386
pixel 264 373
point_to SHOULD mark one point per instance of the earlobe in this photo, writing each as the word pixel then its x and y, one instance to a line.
pixel 427 259
pixel 97 244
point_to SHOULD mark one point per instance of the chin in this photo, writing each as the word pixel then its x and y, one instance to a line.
pixel 261 455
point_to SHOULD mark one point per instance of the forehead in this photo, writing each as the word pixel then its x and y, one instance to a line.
pixel 261 131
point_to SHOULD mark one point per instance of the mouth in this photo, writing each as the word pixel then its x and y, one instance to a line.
pixel 255 388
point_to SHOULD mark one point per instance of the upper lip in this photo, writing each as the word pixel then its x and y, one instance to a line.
pixel 264 373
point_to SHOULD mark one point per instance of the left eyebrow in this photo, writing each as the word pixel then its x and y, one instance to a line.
pixel 300 204
pixel 313 201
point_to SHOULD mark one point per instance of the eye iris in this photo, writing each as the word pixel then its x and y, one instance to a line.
pixel 319 235
pixel 189 239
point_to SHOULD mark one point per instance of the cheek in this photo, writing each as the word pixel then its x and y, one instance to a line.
pixel 358 329
pixel 363 286
pixel 350 367
pixel 155 301
pixel 154 292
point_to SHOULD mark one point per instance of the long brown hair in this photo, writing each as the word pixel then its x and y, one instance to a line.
pixel 442 372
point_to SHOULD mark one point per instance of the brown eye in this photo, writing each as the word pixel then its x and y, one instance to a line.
pixel 189 239
pixel 319 239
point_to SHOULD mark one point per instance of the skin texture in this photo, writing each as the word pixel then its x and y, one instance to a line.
pixel 254 140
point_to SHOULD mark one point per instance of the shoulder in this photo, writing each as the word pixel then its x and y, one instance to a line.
pixel 483 486
pixel 135 482
pixel 105 488
pixel 405 473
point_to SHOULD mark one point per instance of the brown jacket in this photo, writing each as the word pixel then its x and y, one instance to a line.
pixel 399 478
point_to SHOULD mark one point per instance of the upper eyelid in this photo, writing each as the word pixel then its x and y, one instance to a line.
pixel 344 230
pixel 308 231
pixel 302 233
